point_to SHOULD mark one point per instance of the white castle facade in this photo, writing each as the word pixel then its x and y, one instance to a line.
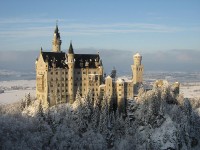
pixel 60 75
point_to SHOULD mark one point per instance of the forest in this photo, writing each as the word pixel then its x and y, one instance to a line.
pixel 157 119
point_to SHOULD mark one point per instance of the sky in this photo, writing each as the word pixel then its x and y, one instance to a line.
pixel 148 27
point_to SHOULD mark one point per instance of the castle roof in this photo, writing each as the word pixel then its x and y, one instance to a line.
pixel 71 50
pixel 82 59
pixel 57 58
pixel 56 31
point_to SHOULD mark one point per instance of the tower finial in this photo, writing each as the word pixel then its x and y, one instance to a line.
pixel 41 49
pixel 56 29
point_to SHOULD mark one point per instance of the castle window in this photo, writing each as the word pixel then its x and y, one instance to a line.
pixel 56 72
pixel 96 77
pixel 51 73
pixel 62 84
pixel 95 72
pixel 83 72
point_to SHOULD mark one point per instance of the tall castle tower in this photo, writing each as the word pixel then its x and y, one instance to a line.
pixel 70 62
pixel 56 43
pixel 137 69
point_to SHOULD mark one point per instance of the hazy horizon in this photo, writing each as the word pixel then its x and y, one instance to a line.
pixel 172 60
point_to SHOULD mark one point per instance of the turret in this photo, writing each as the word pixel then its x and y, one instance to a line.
pixel 137 59
pixel 70 54
pixel 137 69
pixel 56 43
pixel 70 62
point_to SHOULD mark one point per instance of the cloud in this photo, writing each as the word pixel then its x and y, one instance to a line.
pixel 121 28
pixel 171 60
pixel 37 27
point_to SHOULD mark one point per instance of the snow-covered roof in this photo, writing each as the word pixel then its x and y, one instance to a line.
pixel 108 77
pixel 125 78
pixel 120 80
pixel 102 85
pixel 137 55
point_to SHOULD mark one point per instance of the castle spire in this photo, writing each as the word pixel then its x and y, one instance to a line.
pixel 56 29
pixel 71 50
pixel 56 43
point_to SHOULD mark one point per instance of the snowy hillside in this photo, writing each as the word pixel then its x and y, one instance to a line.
pixel 15 90
pixel 158 120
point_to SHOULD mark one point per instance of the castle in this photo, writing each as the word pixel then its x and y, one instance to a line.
pixel 60 75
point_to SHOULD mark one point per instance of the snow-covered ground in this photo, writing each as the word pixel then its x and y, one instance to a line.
pixel 16 84
pixel 190 90
pixel 16 90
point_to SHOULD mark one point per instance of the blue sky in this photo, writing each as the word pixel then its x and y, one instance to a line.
pixel 146 26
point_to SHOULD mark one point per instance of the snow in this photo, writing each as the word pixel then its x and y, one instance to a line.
pixel 165 135
pixel 16 90
pixel 120 80
pixel 108 77
pixel 190 90
pixel 24 83
pixel 137 54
